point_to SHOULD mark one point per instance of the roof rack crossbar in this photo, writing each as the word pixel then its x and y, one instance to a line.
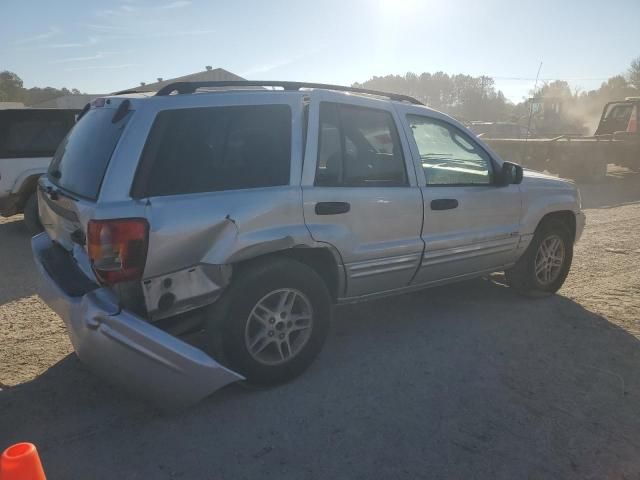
pixel 126 92
pixel 191 87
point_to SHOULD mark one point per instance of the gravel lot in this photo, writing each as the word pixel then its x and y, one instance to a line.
pixel 463 381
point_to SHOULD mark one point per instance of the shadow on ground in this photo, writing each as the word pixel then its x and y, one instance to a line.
pixel 465 381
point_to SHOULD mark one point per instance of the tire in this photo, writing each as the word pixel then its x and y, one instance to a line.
pixel 31 219
pixel 286 348
pixel 523 278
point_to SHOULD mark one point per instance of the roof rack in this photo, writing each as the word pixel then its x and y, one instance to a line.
pixel 126 92
pixel 191 87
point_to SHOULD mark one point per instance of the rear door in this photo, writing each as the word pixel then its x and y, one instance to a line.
pixel 470 224
pixel 360 192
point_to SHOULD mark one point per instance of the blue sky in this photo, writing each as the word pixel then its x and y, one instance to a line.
pixel 103 46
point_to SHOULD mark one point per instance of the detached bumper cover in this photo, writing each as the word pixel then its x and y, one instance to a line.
pixel 123 347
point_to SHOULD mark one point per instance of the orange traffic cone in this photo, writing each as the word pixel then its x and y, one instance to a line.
pixel 21 462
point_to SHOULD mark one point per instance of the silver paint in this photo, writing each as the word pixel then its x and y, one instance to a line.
pixel 388 243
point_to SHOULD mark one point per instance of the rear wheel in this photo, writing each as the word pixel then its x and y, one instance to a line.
pixel 544 266
pixel 31 219
pixel 276 318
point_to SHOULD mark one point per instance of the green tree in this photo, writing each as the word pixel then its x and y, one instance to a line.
pixel 11 87
pixel 464 96
pixel 634 73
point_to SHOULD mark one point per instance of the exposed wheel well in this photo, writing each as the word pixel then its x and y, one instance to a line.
pixel 321 260
pixel 28 187
pixel 566 217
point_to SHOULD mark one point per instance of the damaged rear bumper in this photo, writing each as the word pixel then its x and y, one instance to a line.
pixel 119 345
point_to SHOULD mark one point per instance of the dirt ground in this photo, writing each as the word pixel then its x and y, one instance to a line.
pixel 463 381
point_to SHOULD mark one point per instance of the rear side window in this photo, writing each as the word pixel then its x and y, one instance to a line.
pixel 83 156
pixel 216 148
pixel 33 133
pixel 358 147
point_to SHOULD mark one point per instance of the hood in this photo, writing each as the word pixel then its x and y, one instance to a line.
pixel 533 177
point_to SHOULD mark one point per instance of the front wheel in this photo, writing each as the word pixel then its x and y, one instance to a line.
pixel 276 317
pixel 544 266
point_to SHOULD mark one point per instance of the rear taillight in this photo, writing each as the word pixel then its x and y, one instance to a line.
pixel 118 248
pixel 632 127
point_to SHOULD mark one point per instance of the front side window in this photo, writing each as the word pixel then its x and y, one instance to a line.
pixel 218 148
pixel 447 155
pixel 358 147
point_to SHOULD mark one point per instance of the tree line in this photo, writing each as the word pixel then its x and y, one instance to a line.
pixel 465 97
pixel 12 90
pixel 553 107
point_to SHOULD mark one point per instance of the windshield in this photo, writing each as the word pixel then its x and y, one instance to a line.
pixel 83 156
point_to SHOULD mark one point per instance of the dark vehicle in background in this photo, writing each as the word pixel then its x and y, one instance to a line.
pixel 28 139
pixel 585 159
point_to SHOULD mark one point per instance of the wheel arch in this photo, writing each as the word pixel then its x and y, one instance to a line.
pixel 324 260
pixel 544 205
pixel 566 217
pixel 27 188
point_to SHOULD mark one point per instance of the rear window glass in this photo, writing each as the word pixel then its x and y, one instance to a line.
pixel 217 148
pixel 83 156
pixel 33 133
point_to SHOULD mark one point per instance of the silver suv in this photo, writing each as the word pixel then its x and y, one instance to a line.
pixel 249 212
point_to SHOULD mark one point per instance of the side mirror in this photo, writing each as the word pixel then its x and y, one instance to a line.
pixel 511 173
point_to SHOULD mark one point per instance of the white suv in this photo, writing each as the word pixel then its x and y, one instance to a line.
pixel 28 139
pixel 249 212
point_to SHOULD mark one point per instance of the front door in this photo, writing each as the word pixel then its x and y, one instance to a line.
pixel 471 225
pixel 360 193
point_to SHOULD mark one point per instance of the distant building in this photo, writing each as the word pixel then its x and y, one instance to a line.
pixel 208 75
pixel 79 101
pixel 10 105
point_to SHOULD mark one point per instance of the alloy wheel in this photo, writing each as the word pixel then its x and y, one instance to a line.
pixel 549 259
pixel 279 326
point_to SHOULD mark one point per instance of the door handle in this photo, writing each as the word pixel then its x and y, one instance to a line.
pixel 444 204
pixel 332 208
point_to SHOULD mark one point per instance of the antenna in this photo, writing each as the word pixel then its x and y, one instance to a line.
pixel 535 86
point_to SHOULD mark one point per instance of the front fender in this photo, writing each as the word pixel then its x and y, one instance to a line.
pixel 541 204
